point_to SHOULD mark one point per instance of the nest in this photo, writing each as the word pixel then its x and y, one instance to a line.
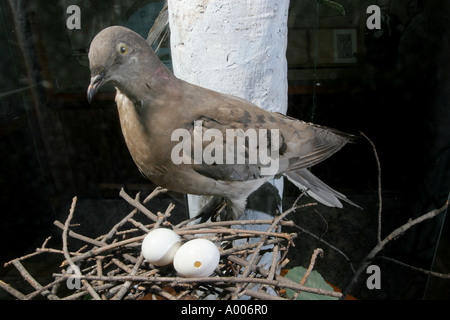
pixel 111 266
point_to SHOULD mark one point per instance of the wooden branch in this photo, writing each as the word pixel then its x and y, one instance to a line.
pixel 74 267
pixel 311 264
pixel 328 245
pixel 427 272
pixel 78 236
pixel 43 288
pixel 243 232
pixel 308 271
pixel 216 224
pixel 97 251
pixel 135 203
pixel 219 280
pixel 29 278
pixel 261 295
pixel 16 293
pixel 127 284
pixel 380 197
pixel 393 235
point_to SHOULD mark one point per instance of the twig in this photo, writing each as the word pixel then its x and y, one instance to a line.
pixel 99 267
pixel 299 197
pixel 138 205
pixel 324 220
pixel 78 236
pixel 139 225
pixel 165 216
pixel 247 247
pixel 16 293
pixel 96 251
pixel 216 224
pixel 393 235
pixel 261 295
pixel 178 281
pixel 380 197
pixel 308 271
pixel 114 229
pixel 243 232
pixel 65 232
pixel 247 269
pixel 156 289
pixel 27 276
pixel 327 244
pixel 127 284
pixel 38 251
pixel 265 273
pixel 427 272
pixel 83 293
pixel 311 264
pixel 273 266
pixel 86 284
pixel 46 287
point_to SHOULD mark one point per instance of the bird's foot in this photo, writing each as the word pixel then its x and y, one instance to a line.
pixel 215 210
pixel 219 211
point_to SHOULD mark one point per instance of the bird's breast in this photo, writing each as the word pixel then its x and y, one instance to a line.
pixel 137 137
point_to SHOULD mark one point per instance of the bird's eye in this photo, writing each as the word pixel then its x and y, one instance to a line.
pixel 123 48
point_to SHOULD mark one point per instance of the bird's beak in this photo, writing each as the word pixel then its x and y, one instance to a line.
pixel 96 83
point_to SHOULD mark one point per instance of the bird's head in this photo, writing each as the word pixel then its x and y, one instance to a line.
pixel 117 55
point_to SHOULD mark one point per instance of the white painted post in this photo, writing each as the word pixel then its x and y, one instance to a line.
pixel 234 47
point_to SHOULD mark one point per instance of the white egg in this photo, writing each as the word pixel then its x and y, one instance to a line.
pixel 196 258
pixel 160 245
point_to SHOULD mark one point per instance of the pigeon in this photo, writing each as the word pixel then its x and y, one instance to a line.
pixel 193 140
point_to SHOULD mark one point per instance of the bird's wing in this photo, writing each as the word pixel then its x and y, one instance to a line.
pixel 299 144
pixel 230 152
pixel 309 144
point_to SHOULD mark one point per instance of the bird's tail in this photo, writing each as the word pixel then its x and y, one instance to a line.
pixel 317 189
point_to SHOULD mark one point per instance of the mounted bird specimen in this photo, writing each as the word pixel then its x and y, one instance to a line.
pixel 153 105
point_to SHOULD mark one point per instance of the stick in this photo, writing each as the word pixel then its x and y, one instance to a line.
pixel 92 292
pixel 380 197
pixel 308 271
pixel 245 232
pixel 19 295
pixel 96 251
pixel 427 272
pixel 394 234
pixel 218 280
pixel 329 245
pixel 127 284
pixel 79 236
pixel 135 203
pixel 247 269
pixel 27 276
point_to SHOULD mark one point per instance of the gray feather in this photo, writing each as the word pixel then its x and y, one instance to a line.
pixel 317 189
pixel 160 29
